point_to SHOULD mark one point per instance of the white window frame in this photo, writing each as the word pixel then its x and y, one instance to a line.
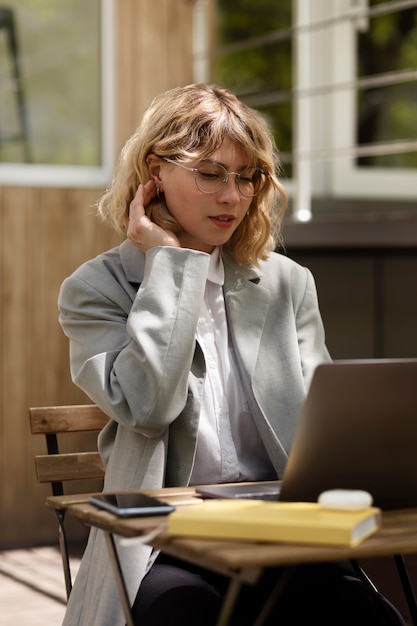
pixel 335 172
pixel 34 175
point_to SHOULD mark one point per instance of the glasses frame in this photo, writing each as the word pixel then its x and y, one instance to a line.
pixel 195 171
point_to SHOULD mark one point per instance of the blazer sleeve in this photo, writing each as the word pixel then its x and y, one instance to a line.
pixel 310 330
pixel 131 350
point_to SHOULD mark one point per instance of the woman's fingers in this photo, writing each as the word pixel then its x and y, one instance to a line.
pixel 143 196
pixel 141 231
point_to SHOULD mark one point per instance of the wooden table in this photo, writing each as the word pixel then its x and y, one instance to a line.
pixel 242 562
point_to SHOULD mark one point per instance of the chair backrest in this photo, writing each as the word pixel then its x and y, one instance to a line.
pixel 57 467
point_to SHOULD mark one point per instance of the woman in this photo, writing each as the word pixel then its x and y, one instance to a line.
pixel 195 338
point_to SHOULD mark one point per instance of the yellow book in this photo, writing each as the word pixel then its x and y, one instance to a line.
pixel 294 522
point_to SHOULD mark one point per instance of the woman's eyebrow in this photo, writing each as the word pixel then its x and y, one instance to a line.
pixel 225 165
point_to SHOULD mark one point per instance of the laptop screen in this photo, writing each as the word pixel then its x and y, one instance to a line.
pixel 357 430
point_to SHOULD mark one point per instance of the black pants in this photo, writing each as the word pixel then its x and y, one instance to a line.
pixel 174 593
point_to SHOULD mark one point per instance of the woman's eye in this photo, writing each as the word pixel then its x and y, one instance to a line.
pixel 210 174
pixel 248 176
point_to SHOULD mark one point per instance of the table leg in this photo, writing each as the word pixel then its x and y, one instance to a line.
pixel 229 602
pixel 407 587
pixel 120 581
pixel 275 595
pixel 233 592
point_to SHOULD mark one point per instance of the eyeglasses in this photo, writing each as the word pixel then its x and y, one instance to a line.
pixel 213 177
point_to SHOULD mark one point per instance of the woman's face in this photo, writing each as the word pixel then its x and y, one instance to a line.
pixel 206 220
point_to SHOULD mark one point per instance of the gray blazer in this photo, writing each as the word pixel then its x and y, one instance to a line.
pixel 131 320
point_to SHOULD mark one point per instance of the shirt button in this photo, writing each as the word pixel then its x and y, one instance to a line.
pixel 231 459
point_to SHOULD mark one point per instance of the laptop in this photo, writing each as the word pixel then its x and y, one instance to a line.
pixel 357 430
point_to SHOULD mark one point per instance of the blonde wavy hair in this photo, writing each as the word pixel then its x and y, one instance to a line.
pixel 189 124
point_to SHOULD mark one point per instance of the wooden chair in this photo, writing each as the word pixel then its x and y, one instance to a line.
pixel 57 467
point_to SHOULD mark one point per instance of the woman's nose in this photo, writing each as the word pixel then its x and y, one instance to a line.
pixel 230 192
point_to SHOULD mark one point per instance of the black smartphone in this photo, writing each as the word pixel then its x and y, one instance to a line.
pixel 131 504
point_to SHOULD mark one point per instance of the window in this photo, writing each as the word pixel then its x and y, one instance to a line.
pixel 374 108
pixel 254 59
pixel 56 95
pixel 338 82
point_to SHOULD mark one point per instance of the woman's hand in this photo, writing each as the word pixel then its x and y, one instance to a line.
pixel 142 232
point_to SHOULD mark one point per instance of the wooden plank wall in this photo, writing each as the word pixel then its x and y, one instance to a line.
pixel 368 300
pixel 154 43
pixel 45 234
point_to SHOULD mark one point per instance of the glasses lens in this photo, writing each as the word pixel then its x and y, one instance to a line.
pixel 251 181
pixel 210 178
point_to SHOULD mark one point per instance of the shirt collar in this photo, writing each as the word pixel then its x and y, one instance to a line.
pixel 216 270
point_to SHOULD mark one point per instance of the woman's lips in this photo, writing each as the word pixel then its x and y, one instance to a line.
pixel 223 221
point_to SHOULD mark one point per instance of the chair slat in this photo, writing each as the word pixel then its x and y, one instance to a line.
pixel 70 466
pixel 64 419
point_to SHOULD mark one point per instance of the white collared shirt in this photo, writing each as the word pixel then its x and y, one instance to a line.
pixel 229 448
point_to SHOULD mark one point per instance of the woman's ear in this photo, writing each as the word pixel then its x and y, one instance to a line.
pixel 154 166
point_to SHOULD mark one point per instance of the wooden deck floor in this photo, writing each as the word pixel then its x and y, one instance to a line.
pixel 32 590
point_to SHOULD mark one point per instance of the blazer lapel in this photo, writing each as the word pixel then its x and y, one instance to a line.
pixel 247 305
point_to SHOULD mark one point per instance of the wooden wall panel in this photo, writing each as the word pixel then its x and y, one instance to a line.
pixel 345 286
pixel 399 305
pixel 46 233
pixel 154 42
pixel 15 268
pixel 368 300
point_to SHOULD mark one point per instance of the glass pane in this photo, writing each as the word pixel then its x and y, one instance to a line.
pixel 255 70
pixel 279 117
pixel 388 113
pixel 259 66
pixel 50 84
